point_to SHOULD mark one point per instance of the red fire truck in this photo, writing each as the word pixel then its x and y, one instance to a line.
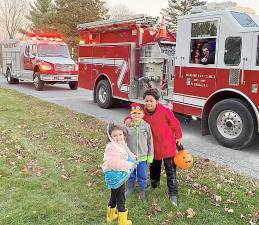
pixel 41 59
pixel 212 74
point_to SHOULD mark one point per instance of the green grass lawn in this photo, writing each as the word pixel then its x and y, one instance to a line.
pixel 50 173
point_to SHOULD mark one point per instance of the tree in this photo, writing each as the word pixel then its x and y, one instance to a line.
pixel 13 16
pixel 41 14
pixel 178 8
pixel 120 10
pixel 70 13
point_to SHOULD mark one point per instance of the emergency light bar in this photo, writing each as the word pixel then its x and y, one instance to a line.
pixel 46 37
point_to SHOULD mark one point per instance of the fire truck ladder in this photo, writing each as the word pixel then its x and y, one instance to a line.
pixel 140 19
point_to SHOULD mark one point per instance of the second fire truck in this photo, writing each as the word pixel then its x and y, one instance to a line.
pixel 211 72
pixel 41 59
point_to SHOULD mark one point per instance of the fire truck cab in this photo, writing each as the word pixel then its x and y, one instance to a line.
pixel 41 59
pixel 212 74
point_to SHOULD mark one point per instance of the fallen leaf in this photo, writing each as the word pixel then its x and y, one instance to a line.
pixel 229 210
pixel 170 215
pixel 25 169
pixel 190 212
pixel 89 184
pixel 217 198
pixel 64 177
pixel 180 214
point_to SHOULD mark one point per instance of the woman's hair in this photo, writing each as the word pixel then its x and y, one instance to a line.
pixel 112 126
pixel 153 92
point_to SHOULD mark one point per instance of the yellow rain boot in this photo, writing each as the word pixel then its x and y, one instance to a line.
pixel 123 219
pixel 111 214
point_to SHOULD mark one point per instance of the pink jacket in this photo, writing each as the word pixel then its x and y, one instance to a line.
pixel 165 129
pixel 116 158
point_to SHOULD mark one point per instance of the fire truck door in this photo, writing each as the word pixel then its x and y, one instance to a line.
pixel 27 59
pixel 103 61
pixel 193 83
pixel 85 66
pixel 195 65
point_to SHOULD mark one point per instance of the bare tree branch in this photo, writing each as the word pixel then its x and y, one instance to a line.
pixel 13 16
pixel 120 10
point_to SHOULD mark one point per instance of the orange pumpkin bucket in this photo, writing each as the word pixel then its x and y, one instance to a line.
pixel 183 158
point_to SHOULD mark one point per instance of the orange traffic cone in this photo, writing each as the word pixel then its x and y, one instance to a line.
pixel 162 31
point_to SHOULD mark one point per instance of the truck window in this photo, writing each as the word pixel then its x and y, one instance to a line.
pixel 203 42
pixel 232 55
pixel 33 50
pixel 53 50
pixel 27 51
pixel 244 20
pixel 257 54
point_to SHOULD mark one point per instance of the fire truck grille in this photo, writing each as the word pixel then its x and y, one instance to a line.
pixel 234 75
pixel 64 67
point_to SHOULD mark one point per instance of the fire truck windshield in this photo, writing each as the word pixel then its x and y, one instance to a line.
pixel 52 50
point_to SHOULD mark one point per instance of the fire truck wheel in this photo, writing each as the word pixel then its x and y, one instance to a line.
pixel 73 85
pixel 104 94
pixel 38 83
pixel 10 79
pixel 232 123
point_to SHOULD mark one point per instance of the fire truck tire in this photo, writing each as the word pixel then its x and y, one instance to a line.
pixel 232 124
pixel 73 85
pixel 10 79
pixel 38 83
pixel 104 94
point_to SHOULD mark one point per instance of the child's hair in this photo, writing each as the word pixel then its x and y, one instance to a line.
pixel 113 126
pixel 153 92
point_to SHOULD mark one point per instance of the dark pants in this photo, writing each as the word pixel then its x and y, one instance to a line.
pixel 118 198
pixel 170 169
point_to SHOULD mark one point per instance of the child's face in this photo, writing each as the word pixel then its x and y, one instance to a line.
pixel 118 136
pixel 150 103
pixel 137 116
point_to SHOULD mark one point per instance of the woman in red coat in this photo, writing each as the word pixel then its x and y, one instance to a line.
pixel 166 131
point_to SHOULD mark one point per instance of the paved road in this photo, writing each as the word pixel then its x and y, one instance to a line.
pixel 243 161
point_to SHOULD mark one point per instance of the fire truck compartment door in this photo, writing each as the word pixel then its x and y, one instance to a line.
pixel 28 57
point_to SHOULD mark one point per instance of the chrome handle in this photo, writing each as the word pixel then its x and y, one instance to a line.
pixel 243 71
pixel 181 62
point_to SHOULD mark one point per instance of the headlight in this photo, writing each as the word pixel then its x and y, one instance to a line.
pixel 76 67
pixel 45 67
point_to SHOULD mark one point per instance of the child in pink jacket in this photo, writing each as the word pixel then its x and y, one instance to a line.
pixel 117 166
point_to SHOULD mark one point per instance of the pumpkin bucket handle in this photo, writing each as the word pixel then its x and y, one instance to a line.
pixel 179 147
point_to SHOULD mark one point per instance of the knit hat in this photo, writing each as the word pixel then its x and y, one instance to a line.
pixel 136 107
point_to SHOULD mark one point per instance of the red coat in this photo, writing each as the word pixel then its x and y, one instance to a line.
pixel 165 129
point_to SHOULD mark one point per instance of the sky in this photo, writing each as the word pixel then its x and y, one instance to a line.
pixel 153 7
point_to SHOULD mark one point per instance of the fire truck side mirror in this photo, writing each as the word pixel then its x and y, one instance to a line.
pixel 32 56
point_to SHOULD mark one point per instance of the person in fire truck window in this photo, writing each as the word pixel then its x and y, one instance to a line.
pixel 196 54
pixel 140 142
pixel 119 161
pixel 167 132
pixel 208 55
